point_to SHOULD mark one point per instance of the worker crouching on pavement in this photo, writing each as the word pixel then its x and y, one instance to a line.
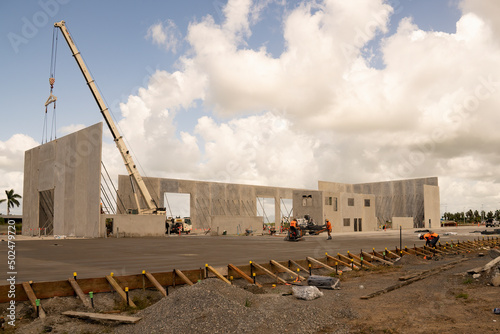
pixel 329 229
pixel 431 239
pixel 293 226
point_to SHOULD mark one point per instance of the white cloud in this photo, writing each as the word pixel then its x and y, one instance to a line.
pixel 165 34
pixel 319 110
pixel 12 165
pixel 71 128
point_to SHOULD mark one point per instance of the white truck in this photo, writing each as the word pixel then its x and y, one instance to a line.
pixel 492 223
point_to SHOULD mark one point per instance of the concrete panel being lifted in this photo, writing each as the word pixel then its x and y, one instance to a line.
pixel 62 178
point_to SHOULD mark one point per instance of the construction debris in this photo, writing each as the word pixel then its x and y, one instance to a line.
pixel 323 282
pixel 306 292
pixel 100 316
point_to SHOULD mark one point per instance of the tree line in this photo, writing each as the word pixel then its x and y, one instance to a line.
pixel 472 216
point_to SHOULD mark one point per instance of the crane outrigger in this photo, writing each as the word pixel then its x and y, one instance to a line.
pixel 134 174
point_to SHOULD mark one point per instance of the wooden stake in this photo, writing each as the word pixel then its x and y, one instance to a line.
pixel 218 274
pixel 298 266
pixel 79 292
pixel 120 291
pixel 274 263
pixel 310 259
pixel 242 274
pixel 267 272
pixel 157 284
pixel 32 297
pixel 183 277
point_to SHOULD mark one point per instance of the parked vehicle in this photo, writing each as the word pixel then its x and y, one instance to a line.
pixel 492 223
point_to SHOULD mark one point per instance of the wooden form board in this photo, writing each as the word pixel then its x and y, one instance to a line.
pixel 44 290
pixel 101 316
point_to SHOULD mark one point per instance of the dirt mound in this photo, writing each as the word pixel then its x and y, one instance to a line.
pixel 411 260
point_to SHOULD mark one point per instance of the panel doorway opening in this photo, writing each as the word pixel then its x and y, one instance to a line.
pixel 286 209
pixel 265 208
pixel 46 212
pixel 177 212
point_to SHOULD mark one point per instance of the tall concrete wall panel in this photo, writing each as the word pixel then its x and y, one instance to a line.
pixel 402 198
pixel 432 206
pixel 210 199
pixel 69 167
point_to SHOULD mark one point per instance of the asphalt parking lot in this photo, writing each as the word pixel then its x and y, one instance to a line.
pixel 49 259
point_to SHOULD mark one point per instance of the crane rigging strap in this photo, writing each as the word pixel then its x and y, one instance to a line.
pixel 52 98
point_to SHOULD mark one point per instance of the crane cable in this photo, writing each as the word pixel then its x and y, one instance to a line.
pixel 52 98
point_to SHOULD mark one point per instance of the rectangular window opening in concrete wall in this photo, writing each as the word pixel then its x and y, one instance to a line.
pixel 46 212
pixel 347 221
pixel 350 201
pixel 355 224
pixel 177 205
pixel 307 200
pixel 265 208
pixel 286 209
pixel 360 227
pixel 367 203
pixel 328 200
pixel 335 204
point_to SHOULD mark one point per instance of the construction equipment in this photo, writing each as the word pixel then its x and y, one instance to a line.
pixel 308 225
pixel 181 225
pixel 135 177
pixel 294 234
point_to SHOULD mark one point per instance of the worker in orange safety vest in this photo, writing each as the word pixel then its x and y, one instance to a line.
pixel 293 227
pixel 431 238
pixel 329 229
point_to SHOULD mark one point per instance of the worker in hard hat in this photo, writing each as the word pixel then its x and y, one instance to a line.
pixel 328 229
pixel 293 226
pixel 431 238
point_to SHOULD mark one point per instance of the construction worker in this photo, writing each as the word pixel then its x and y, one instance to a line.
pixel 329 229
pixel 431 238
pixel 293 226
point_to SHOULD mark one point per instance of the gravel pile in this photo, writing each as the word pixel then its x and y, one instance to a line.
pixel 212 306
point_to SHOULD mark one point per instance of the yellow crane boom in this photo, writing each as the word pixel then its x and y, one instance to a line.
pixel 127 158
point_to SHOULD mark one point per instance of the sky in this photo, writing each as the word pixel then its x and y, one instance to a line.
pixel 266 92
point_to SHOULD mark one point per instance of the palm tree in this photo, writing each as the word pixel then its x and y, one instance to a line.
pixel 11 200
